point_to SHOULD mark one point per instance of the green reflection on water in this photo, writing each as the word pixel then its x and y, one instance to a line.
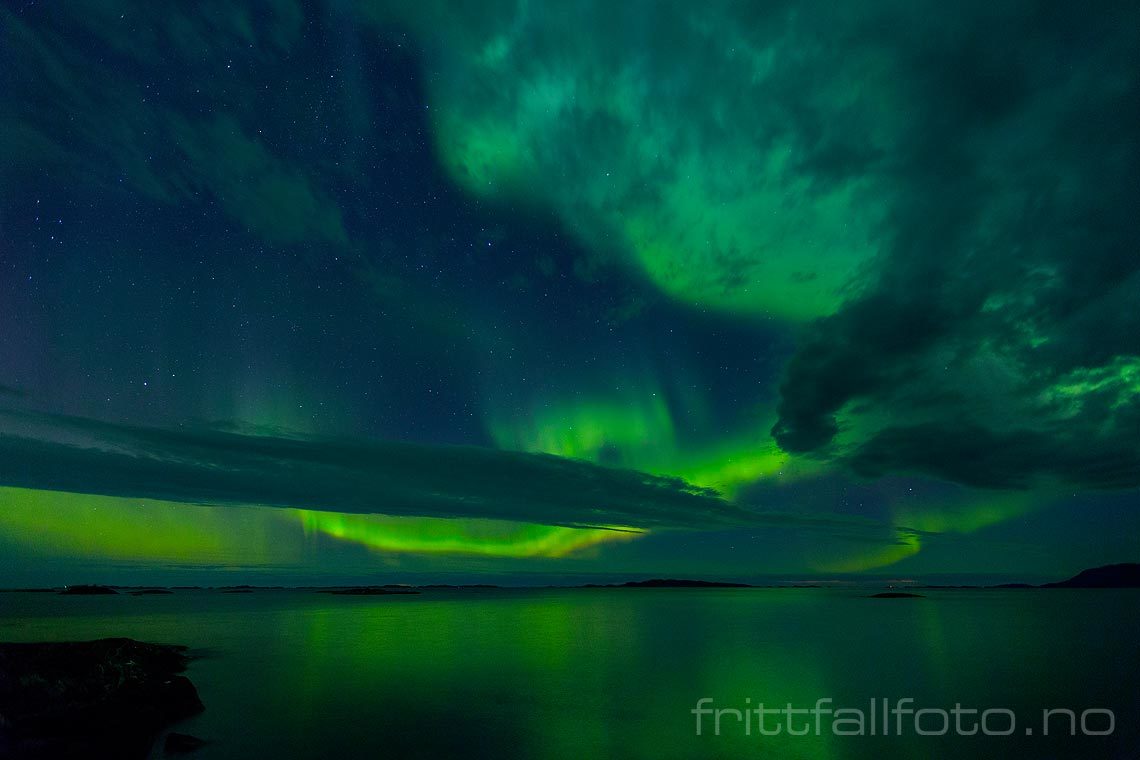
pixel 610 672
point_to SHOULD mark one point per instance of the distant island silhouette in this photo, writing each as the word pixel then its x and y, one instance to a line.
pixel 368 591
pixel 668 583
pixel 87 590
pixel 1122 575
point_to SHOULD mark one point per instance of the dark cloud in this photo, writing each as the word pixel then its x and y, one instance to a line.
pixel 998 344
pixel 979 456
pixel 214 467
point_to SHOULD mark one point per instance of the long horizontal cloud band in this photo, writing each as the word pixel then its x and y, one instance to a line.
pixel 217 467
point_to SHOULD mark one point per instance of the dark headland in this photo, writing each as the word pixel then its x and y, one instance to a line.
pixel 1123 575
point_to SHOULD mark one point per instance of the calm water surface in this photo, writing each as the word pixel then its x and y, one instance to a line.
pixel 616 673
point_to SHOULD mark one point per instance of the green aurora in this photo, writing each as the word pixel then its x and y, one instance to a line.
pixel 517 289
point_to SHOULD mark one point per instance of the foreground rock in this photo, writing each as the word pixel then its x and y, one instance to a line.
pixel 109 698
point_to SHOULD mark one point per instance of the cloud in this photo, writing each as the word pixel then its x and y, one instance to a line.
pixel 979 456
pixel 697 146
pixel 948 208
pixel 945 208
pixel 341 475
pixel 390 496
pixel 998 343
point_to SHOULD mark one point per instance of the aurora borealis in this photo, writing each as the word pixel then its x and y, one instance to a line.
pixel 519 290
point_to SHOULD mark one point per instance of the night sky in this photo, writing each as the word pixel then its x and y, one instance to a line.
pixel 297 291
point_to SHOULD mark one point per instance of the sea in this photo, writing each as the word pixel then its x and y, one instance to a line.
pixel 637 673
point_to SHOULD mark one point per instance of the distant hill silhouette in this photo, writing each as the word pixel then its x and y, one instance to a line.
pixel 368 591
pixel 1124 575
pixel 87 590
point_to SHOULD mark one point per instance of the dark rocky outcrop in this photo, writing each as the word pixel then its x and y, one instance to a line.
pixel 108 698
pixel 1124 575
pixel 150 591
